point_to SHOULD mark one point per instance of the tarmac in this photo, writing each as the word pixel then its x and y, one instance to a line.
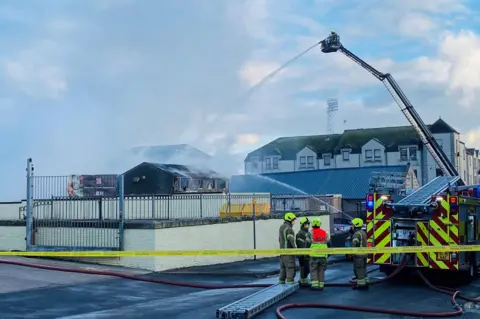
pixel 38 294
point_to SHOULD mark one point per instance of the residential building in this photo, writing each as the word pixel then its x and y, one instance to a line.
pixel 384 146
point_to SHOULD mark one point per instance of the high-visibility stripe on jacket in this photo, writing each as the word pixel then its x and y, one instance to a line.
pixel 286 236
pixel 319 241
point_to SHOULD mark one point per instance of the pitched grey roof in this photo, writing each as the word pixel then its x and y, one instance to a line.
pixel 390 137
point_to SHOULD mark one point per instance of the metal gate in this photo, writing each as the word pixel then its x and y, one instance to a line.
pixel 74 213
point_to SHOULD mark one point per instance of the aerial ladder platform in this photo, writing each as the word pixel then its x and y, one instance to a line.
pixel 254 304
pixel 424 194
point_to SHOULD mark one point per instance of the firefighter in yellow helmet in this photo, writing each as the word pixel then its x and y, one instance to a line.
pixel 359 239
pixel 304 240
pixel 334 38
pixel 318 261
pixel 286 239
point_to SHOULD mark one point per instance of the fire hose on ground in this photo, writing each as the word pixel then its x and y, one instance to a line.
pixel 448 291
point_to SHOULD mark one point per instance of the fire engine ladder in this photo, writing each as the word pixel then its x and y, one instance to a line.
pixel 252 305
pixel 423 195
pixel 406 107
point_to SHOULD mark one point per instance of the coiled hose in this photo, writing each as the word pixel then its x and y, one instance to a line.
pixel 458 310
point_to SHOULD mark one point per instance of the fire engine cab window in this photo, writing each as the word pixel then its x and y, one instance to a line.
pixel 471 228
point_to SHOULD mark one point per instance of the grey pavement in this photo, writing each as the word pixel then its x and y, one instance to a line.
pixel 39 294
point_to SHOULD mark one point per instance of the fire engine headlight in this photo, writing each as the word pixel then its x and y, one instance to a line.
pixel 439 199
pixel 454 256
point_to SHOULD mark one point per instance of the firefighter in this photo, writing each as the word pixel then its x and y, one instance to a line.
pixel 359 239
pixel 318 262
pixel 304 240
pixel 286 239
pixel 334 38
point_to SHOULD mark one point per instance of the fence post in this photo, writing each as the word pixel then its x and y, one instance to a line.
pixel 121 213
pixel 153 207
pixel 29 205
pixel 100 209
pixel 201 205
pixel 254 218
pixel 229 199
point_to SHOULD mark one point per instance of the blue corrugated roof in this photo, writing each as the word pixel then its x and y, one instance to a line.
pixel 350 182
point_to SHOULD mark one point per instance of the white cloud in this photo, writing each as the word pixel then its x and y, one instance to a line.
pixel 417 25
pixel 37 80
pixel 473 138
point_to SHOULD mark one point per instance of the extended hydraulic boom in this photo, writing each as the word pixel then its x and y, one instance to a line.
pixel 333 44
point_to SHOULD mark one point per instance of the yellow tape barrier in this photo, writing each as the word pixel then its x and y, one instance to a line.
pixel 246 252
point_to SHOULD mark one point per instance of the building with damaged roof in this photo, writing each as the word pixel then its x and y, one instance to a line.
pixel 166 179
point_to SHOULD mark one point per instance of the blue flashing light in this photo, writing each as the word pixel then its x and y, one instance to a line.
pixel 370 204
pixel 478 192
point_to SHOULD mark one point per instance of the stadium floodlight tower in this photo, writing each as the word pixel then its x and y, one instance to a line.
pixel 332 107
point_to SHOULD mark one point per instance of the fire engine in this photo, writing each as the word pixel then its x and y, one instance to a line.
pixel 448 218
pixel 443 212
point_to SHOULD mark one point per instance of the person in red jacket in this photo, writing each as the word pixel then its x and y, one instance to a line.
pixel 318 261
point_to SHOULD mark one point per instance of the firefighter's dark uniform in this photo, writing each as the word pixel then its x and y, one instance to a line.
pixel 334 38
pixel 318 262
pixel 303 240
pixel 359 239
pixel 286 238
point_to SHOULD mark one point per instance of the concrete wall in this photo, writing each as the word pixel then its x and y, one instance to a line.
pixel 199 234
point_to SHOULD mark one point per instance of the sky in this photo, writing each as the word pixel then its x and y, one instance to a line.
pixel 83 81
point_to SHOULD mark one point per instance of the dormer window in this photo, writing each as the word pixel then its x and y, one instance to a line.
pixel 268 163
pixel 327 159
pixel 368 155
pixel 275 163
pixel 310 161
pixel 408 154
pixel 303 161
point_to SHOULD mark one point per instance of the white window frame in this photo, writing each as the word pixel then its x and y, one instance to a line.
pixel 310 160
pixel 268 163
pixel 410 150
pixel 275 161
pixel 403 158
pixel 368 155
pixel 347 157
pixel 327 159
pixel 303 161
pixel 377 157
